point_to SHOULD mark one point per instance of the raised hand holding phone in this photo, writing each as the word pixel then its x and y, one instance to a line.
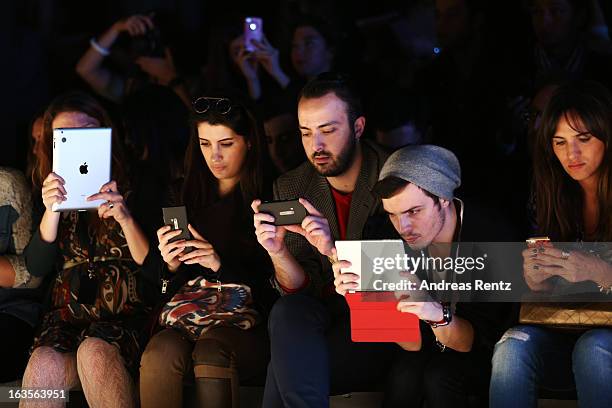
pixel 315 228
pixel 253 30
pixel 203 252
pixel 270 236
pixel 173 236
pixel 534 276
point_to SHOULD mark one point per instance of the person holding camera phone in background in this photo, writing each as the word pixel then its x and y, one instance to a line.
pixel 225 170
pixel 573 195
pixel 159 69
pixel 312 53
pixel 91 334
pixel 311 349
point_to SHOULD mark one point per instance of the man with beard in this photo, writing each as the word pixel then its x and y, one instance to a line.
pixel 311 350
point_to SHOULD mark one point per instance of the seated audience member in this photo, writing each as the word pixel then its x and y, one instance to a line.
pixel 312 53
pixel 395 119
pixel 282 134
pixel 226 168
pixel 91 333
pixel 560 45
pixel 572 174
pixel 311 350
pixel 230 65
pixel 313 48
pixel 20 306
pixel 147 56
pixel 452 359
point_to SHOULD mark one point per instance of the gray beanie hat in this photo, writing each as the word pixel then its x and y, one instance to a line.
pixel 433 168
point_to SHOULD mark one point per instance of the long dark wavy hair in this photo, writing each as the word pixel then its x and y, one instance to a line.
pixel 201 188
pixel 559 198
pixel 77 101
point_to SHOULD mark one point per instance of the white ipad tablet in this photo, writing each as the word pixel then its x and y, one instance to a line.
pixel 351 251
pixel 361 255
pixel 82 157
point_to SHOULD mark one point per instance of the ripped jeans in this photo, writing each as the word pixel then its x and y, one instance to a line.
pixel 528 358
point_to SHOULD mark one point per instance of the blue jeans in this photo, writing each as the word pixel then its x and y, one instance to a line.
pixel 529 358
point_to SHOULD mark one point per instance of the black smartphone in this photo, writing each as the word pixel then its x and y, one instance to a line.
pixel 176 217
pixel 285 212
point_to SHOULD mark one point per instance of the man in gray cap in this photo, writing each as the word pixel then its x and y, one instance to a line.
pixel 452 359
pixel 417 185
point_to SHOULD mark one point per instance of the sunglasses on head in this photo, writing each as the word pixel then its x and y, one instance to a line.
pixel 205 103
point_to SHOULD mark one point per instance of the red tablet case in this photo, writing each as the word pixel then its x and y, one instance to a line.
pixel 375 318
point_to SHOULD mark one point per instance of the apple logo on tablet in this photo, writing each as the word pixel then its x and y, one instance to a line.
pixel 83 168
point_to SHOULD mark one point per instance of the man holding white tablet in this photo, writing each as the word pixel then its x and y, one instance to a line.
pixel 452 358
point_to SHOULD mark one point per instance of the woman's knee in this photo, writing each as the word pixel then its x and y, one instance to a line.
pixel 94 354
pixel 45 356
pixel 46 365
pixel 167 351
pixel 593 349
pixel 50 368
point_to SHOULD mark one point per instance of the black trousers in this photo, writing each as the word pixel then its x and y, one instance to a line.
pixel 312 355
pixel 437 379
pixel 15 342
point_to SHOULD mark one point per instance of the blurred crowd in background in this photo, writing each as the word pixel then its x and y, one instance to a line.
pixel 469 75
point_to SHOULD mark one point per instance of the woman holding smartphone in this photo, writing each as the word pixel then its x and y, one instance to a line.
pixel 224 171
pixel 573 182
pixel 90 335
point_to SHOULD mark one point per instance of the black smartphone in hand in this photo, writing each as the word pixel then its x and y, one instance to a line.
pixel 176 217
pixel 285 212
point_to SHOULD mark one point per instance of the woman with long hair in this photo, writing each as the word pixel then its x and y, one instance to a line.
pixel 90 335
pixel 225 169
pixel 573 199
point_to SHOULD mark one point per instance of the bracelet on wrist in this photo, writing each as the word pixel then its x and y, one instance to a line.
pixel 447 317
pixel 105 52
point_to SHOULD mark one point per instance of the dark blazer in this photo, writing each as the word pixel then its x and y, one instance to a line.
pixel 365 212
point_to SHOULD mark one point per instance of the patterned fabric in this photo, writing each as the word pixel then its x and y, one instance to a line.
pixel 199 306
pixel 117 314
pixel 114 268
pixel 15 194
